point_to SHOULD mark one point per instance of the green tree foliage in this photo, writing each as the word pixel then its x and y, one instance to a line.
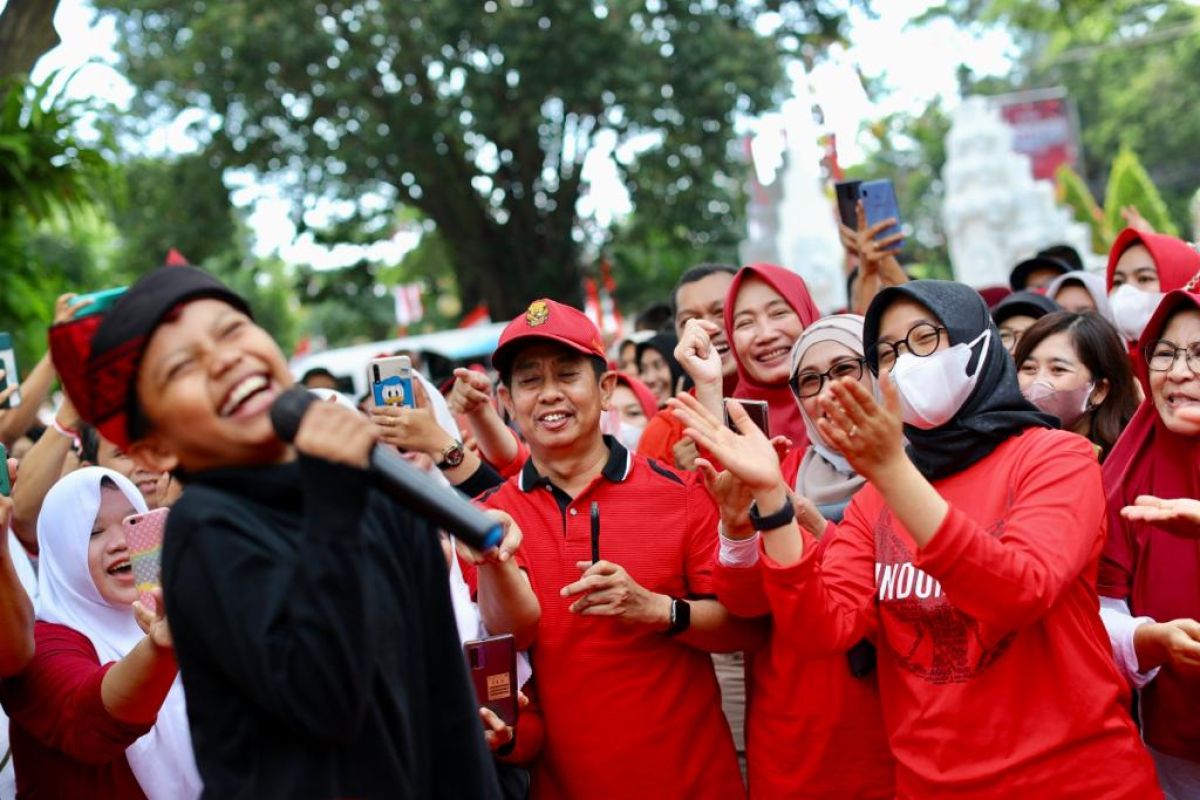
pixel 479 114
pixel 49 183
pixel 1130 186
pixel 1130 66
pixel 1074 193
pixel 179 203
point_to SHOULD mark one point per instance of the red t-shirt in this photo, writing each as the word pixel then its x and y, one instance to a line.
pixel 64 742
pixel 629 712
pixel 995 672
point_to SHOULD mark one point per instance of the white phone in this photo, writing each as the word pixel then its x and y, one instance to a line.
pixel 391 381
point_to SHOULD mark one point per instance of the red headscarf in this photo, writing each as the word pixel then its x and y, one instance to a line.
pixel 641 391
pixel 1157 571
pixel 781 403
pixel 1174 259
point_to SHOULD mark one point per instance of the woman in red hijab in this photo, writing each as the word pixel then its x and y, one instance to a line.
pixel 1142 267
pixel 766 310
pixel 1150 575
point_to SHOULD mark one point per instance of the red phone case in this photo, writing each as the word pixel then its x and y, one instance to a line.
pixel 492 663
pixel 144 536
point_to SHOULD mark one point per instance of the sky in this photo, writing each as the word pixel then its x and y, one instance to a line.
pixel 917 63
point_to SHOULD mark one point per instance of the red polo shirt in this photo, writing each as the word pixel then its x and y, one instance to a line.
pixel 629 712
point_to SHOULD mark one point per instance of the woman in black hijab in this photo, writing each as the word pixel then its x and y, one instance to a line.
pixel 971 554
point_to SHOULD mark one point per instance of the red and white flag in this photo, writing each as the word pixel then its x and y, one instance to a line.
pixel 408 303
pixel 476 316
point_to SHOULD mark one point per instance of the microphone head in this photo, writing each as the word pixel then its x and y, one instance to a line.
pixel 287 411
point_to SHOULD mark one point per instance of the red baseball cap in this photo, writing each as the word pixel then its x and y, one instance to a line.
pixel 550 320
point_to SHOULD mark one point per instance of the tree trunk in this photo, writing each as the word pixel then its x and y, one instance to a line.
pixel 508 284
pixel 26 33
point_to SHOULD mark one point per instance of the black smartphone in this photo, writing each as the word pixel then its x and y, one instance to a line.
pixel 757 411
pixel 492 663
pixel 847 202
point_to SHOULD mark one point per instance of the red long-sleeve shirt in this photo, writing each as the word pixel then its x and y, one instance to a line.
pixel 813 730
pixel 994 669
pixel 64 742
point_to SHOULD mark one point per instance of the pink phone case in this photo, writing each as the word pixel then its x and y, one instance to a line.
pixel 144 536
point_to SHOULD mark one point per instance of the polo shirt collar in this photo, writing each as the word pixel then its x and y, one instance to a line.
pixel 616 468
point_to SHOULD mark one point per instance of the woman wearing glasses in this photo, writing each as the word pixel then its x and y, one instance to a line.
pixel 1150 571
pixel 972 552
pixel 830 703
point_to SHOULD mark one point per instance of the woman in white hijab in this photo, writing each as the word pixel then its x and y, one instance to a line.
pixel 100 711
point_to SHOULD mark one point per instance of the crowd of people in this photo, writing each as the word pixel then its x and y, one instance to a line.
pixel 944 542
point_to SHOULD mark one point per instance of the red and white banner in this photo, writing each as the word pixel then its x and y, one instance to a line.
pixel 1044 129
pixel 408 303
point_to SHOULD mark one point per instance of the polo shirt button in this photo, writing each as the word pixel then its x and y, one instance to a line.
pixel 573 512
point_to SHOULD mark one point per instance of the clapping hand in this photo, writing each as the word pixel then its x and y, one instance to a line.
pixel 869 436
pixel 747 453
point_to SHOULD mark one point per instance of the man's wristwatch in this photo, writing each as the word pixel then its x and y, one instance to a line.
pixel 681 616
pixel 452 456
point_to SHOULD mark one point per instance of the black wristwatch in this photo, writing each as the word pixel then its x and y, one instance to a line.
pixel 452 456
pixel 772 521
pixel 681 616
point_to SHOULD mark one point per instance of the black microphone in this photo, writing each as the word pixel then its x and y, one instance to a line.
pixel 409 486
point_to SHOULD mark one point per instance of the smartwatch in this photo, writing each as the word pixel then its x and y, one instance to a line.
pixel 452 456
pixel 772 521
pixel 681 616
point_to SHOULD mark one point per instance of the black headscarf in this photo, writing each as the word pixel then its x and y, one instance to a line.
pixel 664 343
pixel 994 411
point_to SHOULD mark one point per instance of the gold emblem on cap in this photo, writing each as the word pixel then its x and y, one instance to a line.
pixel 537 313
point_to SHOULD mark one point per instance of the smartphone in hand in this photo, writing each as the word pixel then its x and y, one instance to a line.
pixel 847 202
pixel 5 486
pixel 391 381
pixel 97 302
pixel 756 410
pixel 8 363
pixel 492 663
pixel 879 203
pixel 144 537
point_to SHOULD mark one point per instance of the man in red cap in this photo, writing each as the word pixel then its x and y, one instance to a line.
pixel 618 549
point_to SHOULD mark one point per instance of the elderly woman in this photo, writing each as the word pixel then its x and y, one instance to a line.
pixel 1150 573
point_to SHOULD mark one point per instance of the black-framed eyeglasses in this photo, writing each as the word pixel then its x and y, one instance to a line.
pixel 921 340
pixel 809 384
pixel 1162 355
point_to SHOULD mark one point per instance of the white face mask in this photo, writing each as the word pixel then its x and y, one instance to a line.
pixel 629 435
pixel 1068 405
pixel 933 388
pixel 1132 309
